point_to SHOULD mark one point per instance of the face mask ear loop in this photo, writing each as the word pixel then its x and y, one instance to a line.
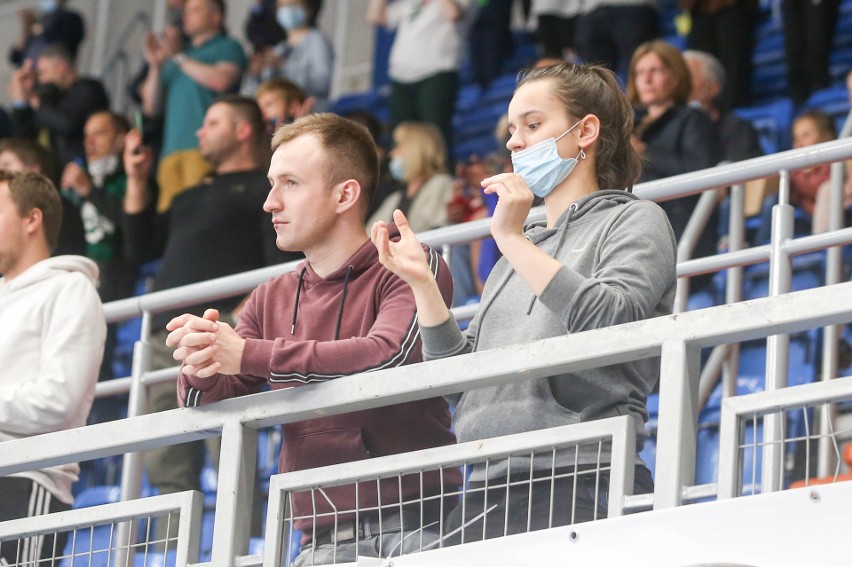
pixel 568 130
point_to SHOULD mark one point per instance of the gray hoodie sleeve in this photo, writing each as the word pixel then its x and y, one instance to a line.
pixel 446 340
pixel 635 267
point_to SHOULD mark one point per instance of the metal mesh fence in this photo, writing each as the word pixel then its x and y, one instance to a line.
pixel 338 516
pixel 90 537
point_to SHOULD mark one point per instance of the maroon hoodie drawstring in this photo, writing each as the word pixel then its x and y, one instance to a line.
pixel 296 306
pixel 342 300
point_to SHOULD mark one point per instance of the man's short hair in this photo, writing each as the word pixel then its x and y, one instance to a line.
pixel 120 124
pixel 57 51
pixel 286 89
pixel 712 68
pixel 246 109
pixel 219 6
pixel 30 153
pixel 350 150
pixel 35 191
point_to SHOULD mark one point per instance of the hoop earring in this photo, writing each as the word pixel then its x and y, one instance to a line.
pixel 582 154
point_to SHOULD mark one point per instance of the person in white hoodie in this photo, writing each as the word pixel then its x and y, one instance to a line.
pixel 51 346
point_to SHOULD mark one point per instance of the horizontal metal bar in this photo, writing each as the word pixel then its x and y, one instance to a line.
pixel 698 491
pixel 723 261
pixel 97 516
pixel 789 313
pixel 762 403
pixel 453 455
pixel 739 172
pixel 200 292
pixel 638 502
pixel 113 387
pixel 815 242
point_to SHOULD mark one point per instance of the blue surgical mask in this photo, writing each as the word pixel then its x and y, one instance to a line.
pixel 541 167
pixel 397 169
pixel 48 6
pixel 291 17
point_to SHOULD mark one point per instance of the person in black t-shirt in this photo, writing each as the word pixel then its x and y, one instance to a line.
pixel 214 229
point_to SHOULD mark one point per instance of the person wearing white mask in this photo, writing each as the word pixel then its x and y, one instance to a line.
pixel 600 257
pixel 418 161
pixel 306 57
pixel 97 185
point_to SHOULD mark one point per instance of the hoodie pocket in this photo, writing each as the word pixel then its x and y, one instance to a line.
pixel 324 448
pixel 312 450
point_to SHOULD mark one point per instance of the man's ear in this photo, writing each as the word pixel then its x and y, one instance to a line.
pixel 34 220
pixel 243 130
pixel 348 195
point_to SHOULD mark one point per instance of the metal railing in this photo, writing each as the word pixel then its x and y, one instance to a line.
pixel 422 534
pixel 93 534
pixel 677 339
pixel 745 412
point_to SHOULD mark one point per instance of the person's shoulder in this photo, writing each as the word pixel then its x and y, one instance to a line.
pixel 224 41
pixel 632 206
pixel 274 286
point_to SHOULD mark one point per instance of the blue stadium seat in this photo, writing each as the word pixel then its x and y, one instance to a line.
pixel 772 122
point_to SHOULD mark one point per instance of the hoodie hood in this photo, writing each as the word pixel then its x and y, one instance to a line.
pixel 54 266
pixel 580 211
pixel 363 259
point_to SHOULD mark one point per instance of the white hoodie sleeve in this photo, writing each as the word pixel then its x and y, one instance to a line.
pixel 58 387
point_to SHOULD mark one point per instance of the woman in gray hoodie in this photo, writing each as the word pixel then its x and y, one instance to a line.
pixel 602 257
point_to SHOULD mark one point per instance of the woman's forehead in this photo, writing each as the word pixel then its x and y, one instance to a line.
pixel 535 95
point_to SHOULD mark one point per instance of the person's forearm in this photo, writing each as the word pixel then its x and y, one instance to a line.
pixel 136 196
pixel 212 77
pixel 431 309
pixel 377 12
pixel 150 91
pixel 534 266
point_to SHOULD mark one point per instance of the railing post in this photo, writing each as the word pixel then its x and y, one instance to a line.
pixel 777 346
pixel 734 285
pixel 621 478
pixel 729 479
pixel 137 402
pixel 826 456
pixel 678 423
pixel 274 538
pixel 234 493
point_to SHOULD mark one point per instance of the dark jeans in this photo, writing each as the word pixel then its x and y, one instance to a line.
pixel 490 41
pixel 729 35
pixel 522 510
pixel 610 34
pixel 808 32
pixel 24 498
pixel 432 99
pixel 555 34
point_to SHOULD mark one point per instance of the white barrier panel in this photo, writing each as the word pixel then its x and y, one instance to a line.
pixel 807 526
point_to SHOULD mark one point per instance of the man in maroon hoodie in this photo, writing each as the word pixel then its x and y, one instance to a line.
pixel 339 313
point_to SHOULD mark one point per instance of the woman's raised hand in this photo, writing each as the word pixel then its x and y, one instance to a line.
pixel 406 257
pixel 513 206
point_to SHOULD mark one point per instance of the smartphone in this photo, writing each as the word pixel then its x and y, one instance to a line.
pixel 140 127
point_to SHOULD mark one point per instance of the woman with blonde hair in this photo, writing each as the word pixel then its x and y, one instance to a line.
pixel 671 136
pixel 418 160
